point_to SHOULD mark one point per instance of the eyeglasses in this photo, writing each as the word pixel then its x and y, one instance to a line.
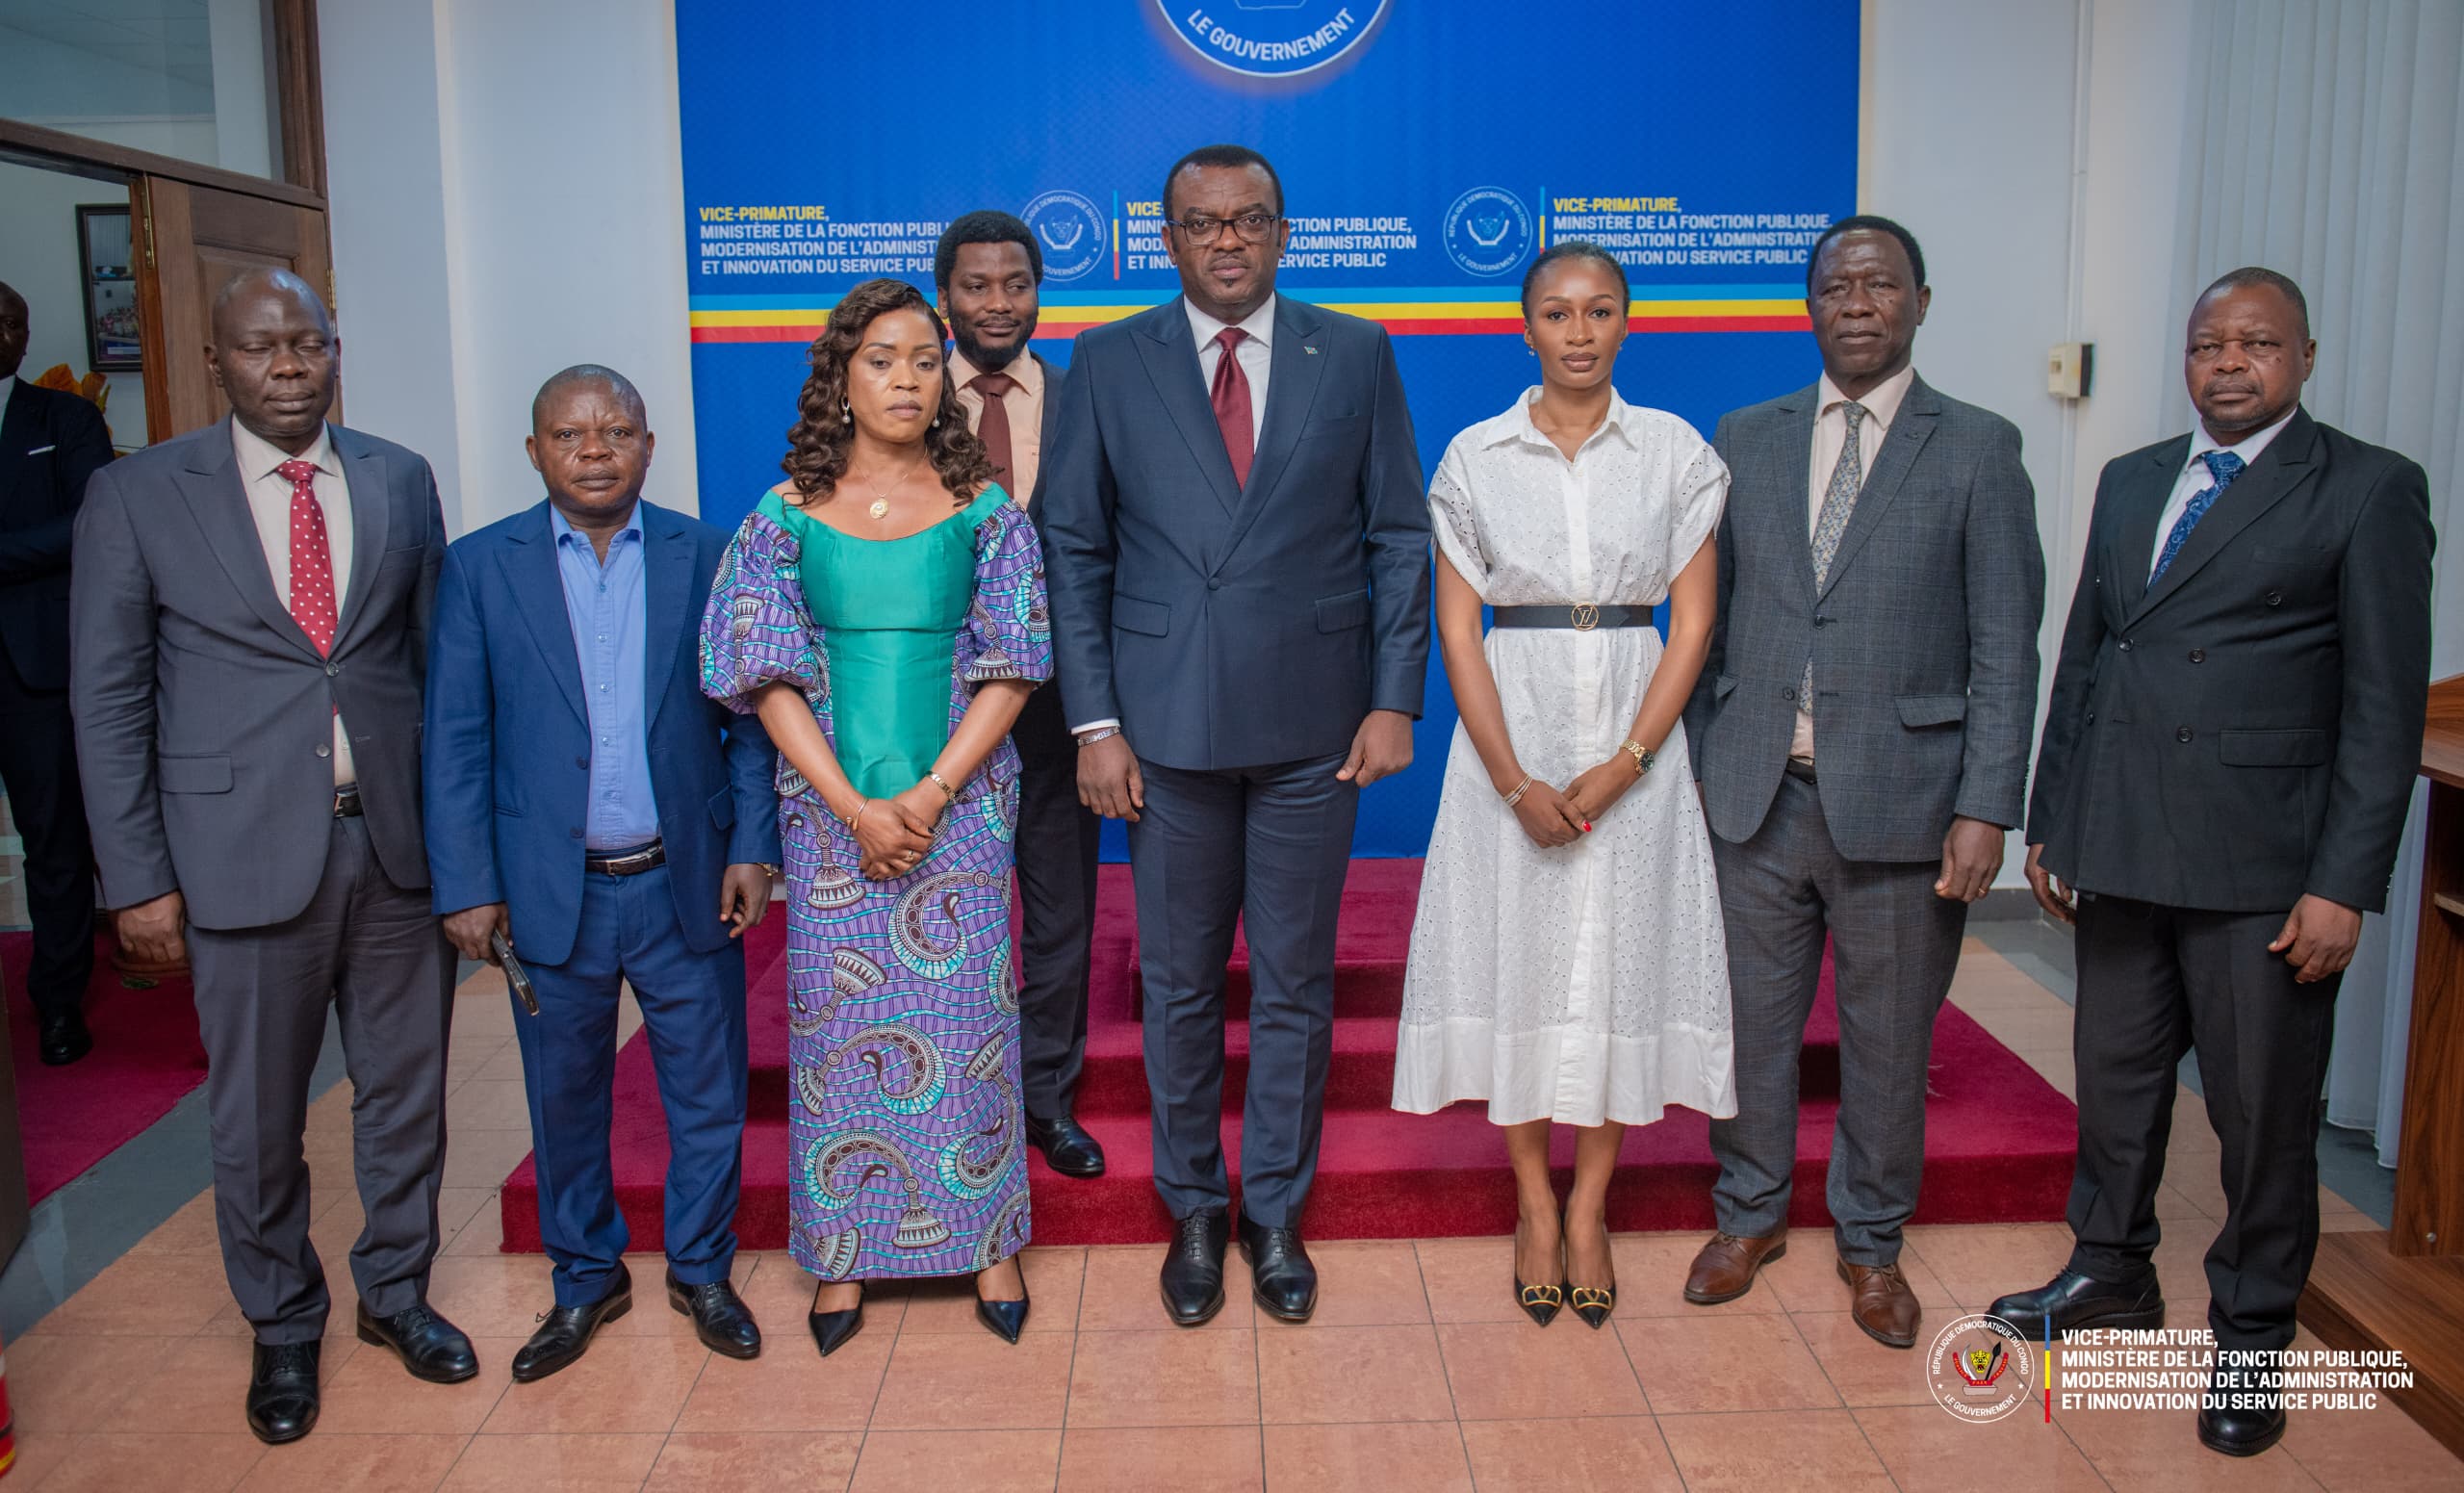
pixel 1252 227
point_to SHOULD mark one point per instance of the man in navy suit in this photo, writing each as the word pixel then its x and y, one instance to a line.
pixel 50 443
pixel 1236 543
pixel 586 801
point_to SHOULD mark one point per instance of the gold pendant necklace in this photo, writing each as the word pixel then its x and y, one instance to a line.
pixel 880 495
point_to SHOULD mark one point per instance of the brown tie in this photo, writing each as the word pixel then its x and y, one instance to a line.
pixel 1230 397
pixel 992 426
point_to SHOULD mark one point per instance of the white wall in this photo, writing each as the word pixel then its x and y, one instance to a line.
pixel 504 207
pixel 38 257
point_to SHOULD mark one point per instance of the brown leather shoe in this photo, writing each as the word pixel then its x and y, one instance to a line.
pixel 1879 1298
pixel 1725 1267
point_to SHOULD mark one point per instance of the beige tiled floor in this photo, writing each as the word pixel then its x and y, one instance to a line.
pixel 1418 1374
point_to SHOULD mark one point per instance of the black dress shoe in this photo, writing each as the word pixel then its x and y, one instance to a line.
pixel 830 1330
pixel 65 1040
pixel 720 1318
pixel 1281 1277
pixel 1193 1278
pixel 564 1334
pixel 2072 1301
pixel 2242 1414
pixel 1067 1146
pixel 282 1391
pixel 1004 1320
pixel 431 1346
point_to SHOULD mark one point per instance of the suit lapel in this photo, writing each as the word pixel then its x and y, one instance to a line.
pixel 218 497
pixel 1050 424
pixel 370 478
pixel 20 431
pixel 536 582
pixel 2151 486
pixel 1792 468
pixel 2283 467
pixel 667 584
pixel 1294 366
pixel 1165 346
pixel 1920 411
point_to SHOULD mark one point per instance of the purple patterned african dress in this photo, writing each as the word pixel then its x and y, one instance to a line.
pixel 907 1131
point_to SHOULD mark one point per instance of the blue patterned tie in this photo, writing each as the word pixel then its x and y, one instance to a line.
pixel 2223 467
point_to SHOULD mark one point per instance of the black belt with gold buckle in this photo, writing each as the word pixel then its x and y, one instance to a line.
pixel 1583 617
pixel 628 862
pixel 347 802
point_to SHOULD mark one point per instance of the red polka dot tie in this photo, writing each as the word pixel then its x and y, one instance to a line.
pixel 312 558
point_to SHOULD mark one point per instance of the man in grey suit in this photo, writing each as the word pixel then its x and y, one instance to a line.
pixel 1237 550
pixel 1862 734
pixel 248 628
pixel 2228 756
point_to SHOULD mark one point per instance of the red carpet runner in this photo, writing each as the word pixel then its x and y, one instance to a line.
pixel 146 1058
pixel 1998 1141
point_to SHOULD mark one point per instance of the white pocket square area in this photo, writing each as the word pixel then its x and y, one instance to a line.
pixel 39 450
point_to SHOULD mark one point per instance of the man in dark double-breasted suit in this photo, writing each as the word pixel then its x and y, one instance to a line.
pixel 2228 755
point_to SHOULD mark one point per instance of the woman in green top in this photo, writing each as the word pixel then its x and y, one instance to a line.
pixel 883 610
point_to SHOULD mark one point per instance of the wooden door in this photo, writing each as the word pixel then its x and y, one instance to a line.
pixel 193 241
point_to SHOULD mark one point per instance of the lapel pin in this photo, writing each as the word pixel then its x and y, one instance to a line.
pixel 1305 347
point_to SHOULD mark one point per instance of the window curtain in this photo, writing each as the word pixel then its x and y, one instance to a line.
pixel 2326 140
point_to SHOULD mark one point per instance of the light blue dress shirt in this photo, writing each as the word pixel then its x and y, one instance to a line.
pixel 607 605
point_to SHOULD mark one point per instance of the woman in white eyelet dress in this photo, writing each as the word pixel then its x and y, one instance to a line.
pixel 1567 962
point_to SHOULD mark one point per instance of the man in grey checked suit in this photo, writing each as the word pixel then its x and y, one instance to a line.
pixel 247 646
pixel 1861 732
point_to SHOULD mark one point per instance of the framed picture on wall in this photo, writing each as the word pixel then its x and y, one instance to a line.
pixel 109 275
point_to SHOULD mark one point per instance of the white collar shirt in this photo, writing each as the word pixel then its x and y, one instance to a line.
pixel 2196 475
pixel 1257 356
pixel 269 494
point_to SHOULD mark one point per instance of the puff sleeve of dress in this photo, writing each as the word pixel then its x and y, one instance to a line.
pixel 756 628
pixel 1452 520
pixel 1009 626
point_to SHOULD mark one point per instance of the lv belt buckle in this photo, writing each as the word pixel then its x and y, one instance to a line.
pixel 1585 617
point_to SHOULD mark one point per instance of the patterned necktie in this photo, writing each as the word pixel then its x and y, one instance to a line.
pixel 1230 397
pixel 312 558
pixel 2223 467
pixel 1838 501
pixel 992 426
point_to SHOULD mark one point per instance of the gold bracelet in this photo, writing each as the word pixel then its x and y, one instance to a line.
pixel 949 794
pixel 1519 789
pixel 849 820
pixel 1642 755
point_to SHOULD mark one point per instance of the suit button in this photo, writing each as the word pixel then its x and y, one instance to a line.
pixel 2275 598
pixel 324 750
pixel 583 763
pixel 2091 717
pixel 1822 621
pixel 1214 585
pixel 2182 734
pixel 575 834
pixel 2126 645
pixel 332 669
pixel 2198 655
pixel 1789 695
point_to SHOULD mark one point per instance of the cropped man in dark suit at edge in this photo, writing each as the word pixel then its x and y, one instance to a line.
pixel 248 623
pixel 988 272
pixel 1862 727
pixel 50 443
pixel 1236 541
pixel 587 802
pixel 2228 756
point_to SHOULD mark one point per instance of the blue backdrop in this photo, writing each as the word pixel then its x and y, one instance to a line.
pixel 1428 150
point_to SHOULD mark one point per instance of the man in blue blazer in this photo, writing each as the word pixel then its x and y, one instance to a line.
pixel 586 801
pixel 1236 543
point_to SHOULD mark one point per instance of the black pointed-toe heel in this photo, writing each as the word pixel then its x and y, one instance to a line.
pixel 830 1330
pixel 1004 1320
pixel 1540 1303
pixel 1594 1303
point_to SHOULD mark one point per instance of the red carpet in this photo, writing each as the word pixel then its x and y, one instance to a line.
pixel 1998 1141
pixel 146 1058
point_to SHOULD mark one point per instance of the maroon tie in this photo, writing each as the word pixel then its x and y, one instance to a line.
pixel 992 426
pixel 312 558
pixel 1230 397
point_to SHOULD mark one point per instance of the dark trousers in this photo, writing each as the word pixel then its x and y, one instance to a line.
pixel 377 954
pixel 2154 983
pixel 693 1007
pixel 1267 846
pixel 1894 947
pixel 38 767
pixel 1057 842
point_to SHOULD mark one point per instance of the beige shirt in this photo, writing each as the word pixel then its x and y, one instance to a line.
pixel 1025 405
pixel 269 504
pixel 1829 435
